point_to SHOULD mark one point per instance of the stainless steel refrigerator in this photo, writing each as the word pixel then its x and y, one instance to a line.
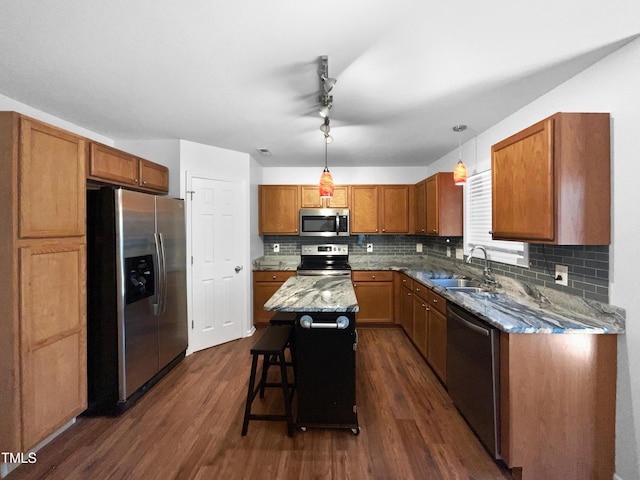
pixel 136 294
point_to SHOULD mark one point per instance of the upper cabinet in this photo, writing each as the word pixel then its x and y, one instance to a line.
pixel 421 207
pixel 381 208
pixel 443 206
pixel 310 197
pixel 551 182
pixel 278 207
pixel 113 166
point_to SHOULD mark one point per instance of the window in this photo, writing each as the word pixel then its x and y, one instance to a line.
pixel 478 224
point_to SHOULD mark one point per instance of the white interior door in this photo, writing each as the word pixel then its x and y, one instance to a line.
pixel 218 273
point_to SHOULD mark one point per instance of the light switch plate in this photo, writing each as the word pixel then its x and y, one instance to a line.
pixel 276 248
pixel 369 247
pixel 460 253
pixel 419 247
pixel 562 275
pixel 448 251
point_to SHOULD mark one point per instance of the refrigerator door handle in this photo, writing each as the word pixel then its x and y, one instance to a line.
pixel 157 307
pixel 163 304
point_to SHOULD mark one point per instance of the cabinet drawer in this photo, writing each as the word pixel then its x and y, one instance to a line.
pixel 437 302
pixel 406 282
pixel 420 290
pixel 372 276
pixel 272 276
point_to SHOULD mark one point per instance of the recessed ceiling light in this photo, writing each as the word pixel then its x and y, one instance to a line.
pixel 264 151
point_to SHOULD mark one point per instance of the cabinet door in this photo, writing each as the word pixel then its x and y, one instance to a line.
pixel 112 166
pixel 265 284
pixel 523 185
pixel 432 222
pixel 374 292
pixel 310 197
pixel 421 207
pixel 53 337
pixel 437 343
pixel 279 208
pixel 153 176
pixel 406 310
pixel 364 209
pixel 444 206
pixel 394 208
pixel 51 182
pixel 420 317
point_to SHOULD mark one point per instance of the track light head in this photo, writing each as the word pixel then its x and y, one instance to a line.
pixel 327 83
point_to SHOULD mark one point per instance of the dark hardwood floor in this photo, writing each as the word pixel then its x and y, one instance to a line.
pixel 188 427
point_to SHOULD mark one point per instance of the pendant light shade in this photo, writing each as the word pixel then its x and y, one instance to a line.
pixel 460 172
pixel 326 180
pixel 326 184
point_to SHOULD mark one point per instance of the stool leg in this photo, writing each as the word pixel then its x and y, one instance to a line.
pixel 285 393
pixel 250 394
pixel 266 363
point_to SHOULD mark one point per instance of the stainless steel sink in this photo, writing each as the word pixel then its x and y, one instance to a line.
pixel 453 283
pixel 467 289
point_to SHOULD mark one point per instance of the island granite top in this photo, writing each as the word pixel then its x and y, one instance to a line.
pixel 314 294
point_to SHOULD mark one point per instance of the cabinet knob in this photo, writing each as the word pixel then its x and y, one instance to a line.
pixel 135 180
pixel 409 294
pixel 435 300
pixel 490 232
pixel 354 285
pixel 373 276
pixel 434 231
pixel 376 230
pixel 417 289
pixel 144 182
pixel 274 277
pixel 422 229
pixel 383 230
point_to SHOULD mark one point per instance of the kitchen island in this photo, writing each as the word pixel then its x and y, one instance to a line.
pixel 325 349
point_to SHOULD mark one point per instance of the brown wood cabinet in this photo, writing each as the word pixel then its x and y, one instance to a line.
pixel 112 166
pixel 443 206
pixel 404 302
pixel 374 292
pixel 265 284
pixel 310 197
pixel 557 402
pixel 43 373
pixel 381 209
pixel 421 207
pixel 551 182
pixel 278 207
pixel 420 335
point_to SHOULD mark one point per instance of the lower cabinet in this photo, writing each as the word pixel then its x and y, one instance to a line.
pixel 374 291
pixel 265 284
pixel 422 313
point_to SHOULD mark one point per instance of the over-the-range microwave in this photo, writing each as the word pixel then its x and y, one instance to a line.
pixel 324 222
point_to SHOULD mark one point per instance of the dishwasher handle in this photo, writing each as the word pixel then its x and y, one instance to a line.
pixel 471 326
pixel 342 322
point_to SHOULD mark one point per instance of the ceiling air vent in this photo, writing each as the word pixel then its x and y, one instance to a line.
pixel 264 152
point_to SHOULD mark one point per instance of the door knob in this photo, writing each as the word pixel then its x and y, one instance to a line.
pixel 238 268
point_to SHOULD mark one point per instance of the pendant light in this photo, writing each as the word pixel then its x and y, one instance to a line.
pixel 326 180
pixel 460 172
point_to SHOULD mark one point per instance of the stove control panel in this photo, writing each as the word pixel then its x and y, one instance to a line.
pixel 325 249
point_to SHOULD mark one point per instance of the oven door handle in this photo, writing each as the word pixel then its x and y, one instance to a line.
pixel 342 322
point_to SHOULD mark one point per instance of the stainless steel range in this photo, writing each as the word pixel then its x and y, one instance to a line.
pixel 326 259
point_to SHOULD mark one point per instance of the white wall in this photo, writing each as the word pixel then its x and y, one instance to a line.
pixel 256 245
pixel 10 105
pixel 612 85
pixel 344 175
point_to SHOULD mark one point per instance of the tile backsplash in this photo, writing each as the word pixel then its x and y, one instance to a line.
pixel 588 264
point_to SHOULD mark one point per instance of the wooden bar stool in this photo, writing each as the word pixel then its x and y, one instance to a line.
pixel 272 346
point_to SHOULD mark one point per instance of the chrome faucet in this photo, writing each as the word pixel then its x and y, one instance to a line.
pixel 488 278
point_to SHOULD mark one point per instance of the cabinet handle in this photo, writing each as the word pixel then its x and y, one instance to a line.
pixel 376 230
pixel 135 180
pixel 404 280
pixel 144 182
pixel 274 277
pixel 409 294
pixel 490 232
pixel 373 276
pixel 354 285
pixel 417 289
pixel 383 230
pixel 435 300
pixel 435 231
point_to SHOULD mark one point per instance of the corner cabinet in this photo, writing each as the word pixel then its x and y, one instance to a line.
pixel 278 207
pixel 112 166
pixel 43 372
pixel 551 182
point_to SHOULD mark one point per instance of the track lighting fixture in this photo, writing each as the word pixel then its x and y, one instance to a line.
pixel 326 102
pixel 460 172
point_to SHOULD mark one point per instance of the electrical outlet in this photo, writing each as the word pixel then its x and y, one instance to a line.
pixel 419 247
pixel 562 275
pixel 369 247
pixel 276 248
pixel 459 253
pixel 448 251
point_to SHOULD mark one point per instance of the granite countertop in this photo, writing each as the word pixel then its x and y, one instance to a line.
pixel 314 294
pixel 515 307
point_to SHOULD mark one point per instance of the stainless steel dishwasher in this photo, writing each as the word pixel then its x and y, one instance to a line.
pixel 473 374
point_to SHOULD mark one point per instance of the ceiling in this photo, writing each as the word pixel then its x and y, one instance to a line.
pixel 243 74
